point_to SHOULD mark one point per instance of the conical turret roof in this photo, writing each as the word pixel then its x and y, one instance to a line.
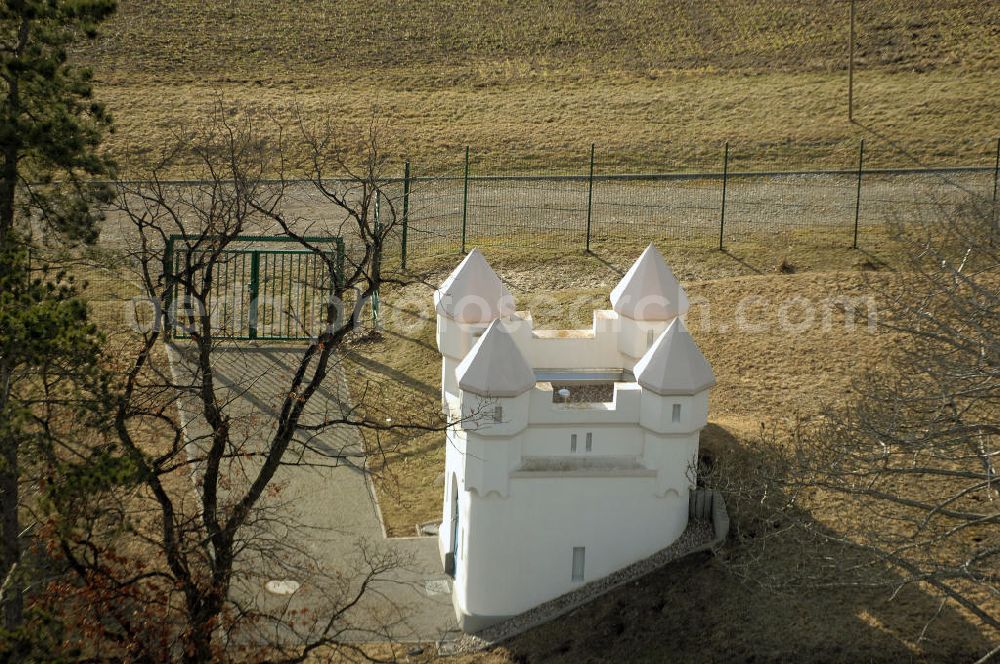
pixel 495 367
pixel 473 293
pixel 674 364
pixel 649 290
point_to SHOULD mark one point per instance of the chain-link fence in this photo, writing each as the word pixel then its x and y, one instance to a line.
pixel 591 206
pixel 601 206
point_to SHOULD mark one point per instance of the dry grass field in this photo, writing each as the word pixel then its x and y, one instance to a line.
pixel 652 85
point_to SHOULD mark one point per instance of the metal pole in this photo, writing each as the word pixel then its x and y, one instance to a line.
pixel 171 284
pixel 725 182
pixel 996 179
pixel 590 195
pixel 850 72
pixel 996 173
pixel 465 198
pixel 338 279
pixel 406 210
pixel 254 294
pixel 857 200
pixel 378 233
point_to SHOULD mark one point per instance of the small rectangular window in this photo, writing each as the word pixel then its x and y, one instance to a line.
pixel 578 559
pixel 498 413
pixel 675 416
pixel 572 442
pixel 590 441
pixel 650 337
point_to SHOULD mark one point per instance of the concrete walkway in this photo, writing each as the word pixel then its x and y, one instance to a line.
pixel 321 528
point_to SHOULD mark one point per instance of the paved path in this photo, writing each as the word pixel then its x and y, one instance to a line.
pixel 322 527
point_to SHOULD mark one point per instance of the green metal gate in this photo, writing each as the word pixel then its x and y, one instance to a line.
pixel 260 289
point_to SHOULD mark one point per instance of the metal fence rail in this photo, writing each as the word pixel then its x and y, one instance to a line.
pixel 259 289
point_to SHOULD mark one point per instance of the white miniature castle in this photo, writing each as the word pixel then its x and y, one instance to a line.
pixel 543 492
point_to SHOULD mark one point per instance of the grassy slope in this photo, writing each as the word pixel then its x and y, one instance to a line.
pixel 542 80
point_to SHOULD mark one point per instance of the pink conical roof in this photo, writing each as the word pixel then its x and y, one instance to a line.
pixel 473 293
pixel 649 290
pixel 673 364
pixel 495 367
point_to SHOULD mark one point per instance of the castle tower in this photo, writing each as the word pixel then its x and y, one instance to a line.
pixel 494 381
pixel 675 378
pixel 646 299
pixel 468 300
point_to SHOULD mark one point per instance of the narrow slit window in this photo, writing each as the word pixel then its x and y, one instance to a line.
pixel 675 415
pixel 572 442
pixel 590 442
pixel 498 413
pixel 579 554
pixel 650 337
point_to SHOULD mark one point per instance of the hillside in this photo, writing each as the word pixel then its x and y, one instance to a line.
pixel 653 84
pixel 223 41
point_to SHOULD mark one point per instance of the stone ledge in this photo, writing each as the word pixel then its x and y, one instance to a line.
pixel 589 472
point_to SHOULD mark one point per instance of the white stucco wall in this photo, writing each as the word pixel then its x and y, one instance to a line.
pixel 623 409
pixel 453 469
pixel 656 412
pixel 635 337
pixel 520 548
pixel 478 414
pixel 608 440
pixel 611 341
pixel 520 527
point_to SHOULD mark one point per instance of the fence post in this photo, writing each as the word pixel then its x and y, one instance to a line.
pixel 339 277
pixel 254 294
pixel 590 194
pixel 406 211
pixel 996 173
pixel 996 179
pixel 725 182
pixel 377 223
pixel 465 198
pixel 168 300
pixel 857 200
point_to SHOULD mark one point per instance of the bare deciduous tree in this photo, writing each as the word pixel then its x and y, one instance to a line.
pixel 213 542
pixel 912 458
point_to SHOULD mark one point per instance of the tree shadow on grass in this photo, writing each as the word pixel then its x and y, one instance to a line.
pixel 729 253
pixel 614 267
pixel 744 605
pixel 701 261
pixel 393 374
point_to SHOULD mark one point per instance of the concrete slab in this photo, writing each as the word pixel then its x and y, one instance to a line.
pixel 320 526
